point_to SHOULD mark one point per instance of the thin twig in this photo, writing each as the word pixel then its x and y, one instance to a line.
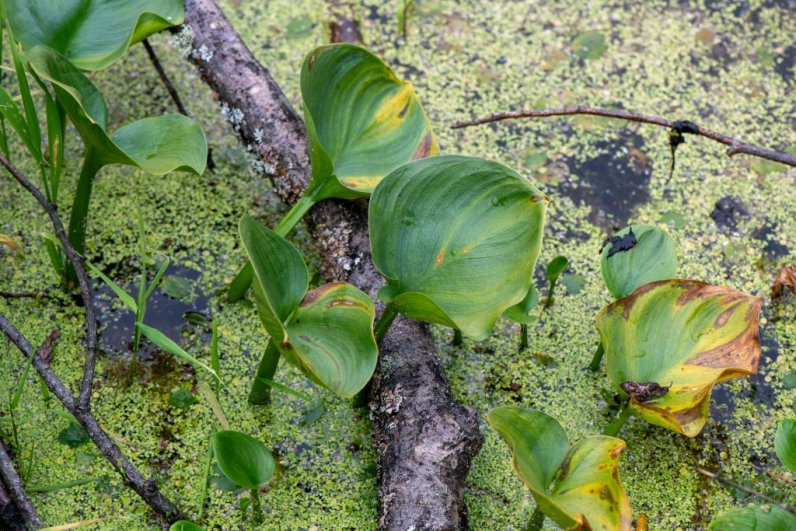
pixel 80 407
pixel 82 279
pixel 13 484
pixel 682 126
pixel 743 488
pixel 175 96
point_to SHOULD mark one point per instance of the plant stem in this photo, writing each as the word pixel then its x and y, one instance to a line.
pixel 523 337
pixel 257 511
pixel 743 488
pixel 142 285
pixel 457 338
pixel 260 393
pixel 549 300
pixel 206 475
pixel 79 215
pixel 383 324
pixel 537 520
pixel 615 425
pixel 594 366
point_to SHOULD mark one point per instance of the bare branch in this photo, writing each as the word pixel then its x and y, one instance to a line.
pixel 13 484
pixel 82 279
pixel 681 126
pixel 717 476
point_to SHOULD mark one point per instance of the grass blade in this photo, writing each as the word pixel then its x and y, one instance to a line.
pixel 285 389
pixel 123 295
pixel 161 340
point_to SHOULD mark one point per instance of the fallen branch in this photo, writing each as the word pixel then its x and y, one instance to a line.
pixel 679 126
pixel 425 439
pixel 79 406
pixel 717 477
pixel 10 520
pixel 13 486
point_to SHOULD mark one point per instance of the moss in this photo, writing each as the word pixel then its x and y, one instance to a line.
pixel 465 59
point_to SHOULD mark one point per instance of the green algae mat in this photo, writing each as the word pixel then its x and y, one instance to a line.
pixel 727 66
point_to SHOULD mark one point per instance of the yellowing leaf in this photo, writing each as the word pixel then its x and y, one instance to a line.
pixel 683 336
pixel 9 242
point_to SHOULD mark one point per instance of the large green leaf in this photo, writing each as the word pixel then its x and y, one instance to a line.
pixel 636 255
pixel 755 518
pixel 577 487
pixel 243 459
pixel 785 443
pixel 92 34
pixel 672 341
pixel 331 338
pixel 157 145
pixel 457 239
pixel 362 121
pixel 328 332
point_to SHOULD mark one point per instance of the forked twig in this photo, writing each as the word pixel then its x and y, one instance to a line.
pixel 717 476
pixel 680 126
pixel 79 406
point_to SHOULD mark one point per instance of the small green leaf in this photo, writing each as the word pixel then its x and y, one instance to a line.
pixel 673 219
pixel 243 459
pixel 177 287
pixel 457 240
pixel 636 255
pixel 586 492
pixel 362 121
pixel 313 414
pixel 521 312
pixel 789 380
pixel 534 160
pixel 299 27
pixel 92 34
pixel 163 341
pixel 73 435
pixel 684 336
pixel 754 517
pixel 125 297
pixel 573 283
pixel 185 525
pixel 556 266
pixel 182 399
pixel 589 45
pixel 785 443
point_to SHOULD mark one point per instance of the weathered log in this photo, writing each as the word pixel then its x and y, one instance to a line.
pixel 425 439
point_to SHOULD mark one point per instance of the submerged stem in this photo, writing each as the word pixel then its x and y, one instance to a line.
pixel 537 520
pixel 257 512
pixel 523 337
pixel 457 338
pixel 594 366
pixel 615 425
pixel 260 393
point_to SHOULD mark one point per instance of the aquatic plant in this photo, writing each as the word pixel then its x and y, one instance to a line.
pixel 670 342
pixel 576 485
pixel 362 122
pixel 456 238
pixel 327 332
pixel 246 462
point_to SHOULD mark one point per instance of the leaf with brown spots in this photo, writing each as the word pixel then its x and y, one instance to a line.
pixel 578 487
pixel 786 279
pixel 683 336
pixel 362 121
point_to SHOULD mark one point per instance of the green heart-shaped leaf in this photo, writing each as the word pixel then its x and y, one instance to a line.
pixel 556 266
pixel 636 255
pixel 683 335
pixel 243 459
pixel 457 239
pixel 185 525
pixel 92 34
pixel 586 492
pixel 331 335
pixel 328 332
pixel 754 517
pixel 785 443
pixel 157 145
pixel 362 121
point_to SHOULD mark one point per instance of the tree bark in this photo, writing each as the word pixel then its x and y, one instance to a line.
pixel 425 439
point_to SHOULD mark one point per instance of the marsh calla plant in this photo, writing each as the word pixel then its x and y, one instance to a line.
pixel 326 332
pixel 457 239
pixel 754 517
pixel 362 122
pixel 246 462
pixel 670 342
pixel 636 255
pixel 156 145
pixel 577 485
pixel 91 34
